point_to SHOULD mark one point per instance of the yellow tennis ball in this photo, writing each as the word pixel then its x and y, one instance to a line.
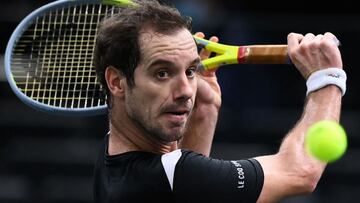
pixel 326 140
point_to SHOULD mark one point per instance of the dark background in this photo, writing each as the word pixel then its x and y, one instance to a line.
pixel 46 158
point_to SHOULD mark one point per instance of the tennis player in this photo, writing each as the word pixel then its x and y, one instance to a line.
pixel 163 114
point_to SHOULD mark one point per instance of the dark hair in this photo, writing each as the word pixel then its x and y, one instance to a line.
pixel 117 43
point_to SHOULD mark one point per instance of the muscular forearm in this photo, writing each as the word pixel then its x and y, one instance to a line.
pixel 292 171
pixel 324 104
pixel 201 129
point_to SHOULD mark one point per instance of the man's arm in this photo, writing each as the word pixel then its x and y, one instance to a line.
pixel 292 171
pixel 203 120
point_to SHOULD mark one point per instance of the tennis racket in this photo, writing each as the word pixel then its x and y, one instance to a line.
pixel 252 54
pixel 49 57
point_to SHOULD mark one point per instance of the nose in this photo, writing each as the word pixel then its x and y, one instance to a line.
pixel 184 87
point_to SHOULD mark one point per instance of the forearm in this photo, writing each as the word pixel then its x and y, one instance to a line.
pixel 292 171
pixel 324 104
pixel 201 129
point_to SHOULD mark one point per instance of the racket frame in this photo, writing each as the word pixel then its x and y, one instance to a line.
pixel 16 35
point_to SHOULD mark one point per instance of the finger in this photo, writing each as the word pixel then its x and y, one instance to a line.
pixel 318 38
pixel 315 54
pixel 315 43
pixel 307 47
pixel 331 50
pixel 308 38
pixel 331 37
pixel 214 39
pixel 200 34
pixel 293 40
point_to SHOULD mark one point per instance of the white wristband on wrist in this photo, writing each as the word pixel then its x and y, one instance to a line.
pixel 324 77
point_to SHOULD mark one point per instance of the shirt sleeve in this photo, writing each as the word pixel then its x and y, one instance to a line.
pixel 202 179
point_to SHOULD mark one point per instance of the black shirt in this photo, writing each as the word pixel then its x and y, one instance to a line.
pixel 180 176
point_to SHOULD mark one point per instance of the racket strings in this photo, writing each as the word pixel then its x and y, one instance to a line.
pixel 53 61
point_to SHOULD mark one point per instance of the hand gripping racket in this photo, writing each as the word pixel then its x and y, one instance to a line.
pixel 49 57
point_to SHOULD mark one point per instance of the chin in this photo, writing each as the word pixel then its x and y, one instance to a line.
pixel 173 135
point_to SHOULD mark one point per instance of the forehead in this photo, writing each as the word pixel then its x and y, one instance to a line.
pixel 152 43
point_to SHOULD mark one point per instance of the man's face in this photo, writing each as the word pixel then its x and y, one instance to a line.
pixel 165 84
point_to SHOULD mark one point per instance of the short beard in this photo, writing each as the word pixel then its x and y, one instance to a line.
pixel 153 131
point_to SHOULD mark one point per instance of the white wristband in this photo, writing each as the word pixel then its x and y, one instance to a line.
pixel 324 77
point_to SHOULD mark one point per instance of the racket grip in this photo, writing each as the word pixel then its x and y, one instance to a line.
pixel 264 54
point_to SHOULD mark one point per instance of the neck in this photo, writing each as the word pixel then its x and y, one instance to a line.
pixel 125 137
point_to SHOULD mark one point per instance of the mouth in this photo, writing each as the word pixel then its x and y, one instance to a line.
pixel 179 112
pixel 177 116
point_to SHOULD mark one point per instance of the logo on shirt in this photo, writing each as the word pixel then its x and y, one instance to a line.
pixel 241 174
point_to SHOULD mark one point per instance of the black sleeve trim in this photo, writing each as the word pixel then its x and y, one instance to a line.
pixel 259 175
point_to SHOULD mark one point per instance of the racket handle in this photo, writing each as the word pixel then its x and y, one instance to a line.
pixel 263 54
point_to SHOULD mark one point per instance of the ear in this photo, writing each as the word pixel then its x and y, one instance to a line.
pixel 116 81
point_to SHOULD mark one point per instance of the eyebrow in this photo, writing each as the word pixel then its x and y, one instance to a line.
pixel 170 63
pixel 161 62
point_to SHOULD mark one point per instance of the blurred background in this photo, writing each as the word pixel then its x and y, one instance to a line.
pixel 46 158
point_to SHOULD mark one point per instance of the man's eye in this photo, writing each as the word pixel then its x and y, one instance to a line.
pixel 162 74
pixel 190 72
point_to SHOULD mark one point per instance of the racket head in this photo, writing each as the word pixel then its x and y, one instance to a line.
pixel 48 59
